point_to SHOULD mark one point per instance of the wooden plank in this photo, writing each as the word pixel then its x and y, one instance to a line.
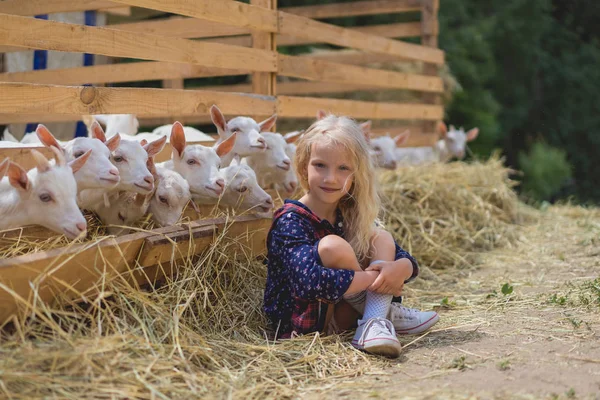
pixel 37 7
pixel 190 28
pixel 313 69
pixel 76 270
pixel 264 82
pixel 301 87
pixel 351 57
pixel 224 11
pixel 417 137
pixel 116 73
pixel 355 8
pixel 40 34
pixel 306 107
pixel 401 30
pixel 429 38
pixel 293 25
pixel 79 100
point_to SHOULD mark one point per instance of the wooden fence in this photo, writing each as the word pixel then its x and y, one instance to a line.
pixel 206 38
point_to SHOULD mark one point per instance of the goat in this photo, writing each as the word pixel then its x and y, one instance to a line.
pixel 98 172
pixel 248 141
pixel 44 195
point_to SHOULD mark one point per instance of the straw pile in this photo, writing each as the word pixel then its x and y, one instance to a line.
pixel 202 334
pixel 445 213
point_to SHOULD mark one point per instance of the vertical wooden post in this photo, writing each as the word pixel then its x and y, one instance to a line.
pixel 429 37
pixel 264 82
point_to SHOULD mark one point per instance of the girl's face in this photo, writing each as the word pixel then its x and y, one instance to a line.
pixel 330 172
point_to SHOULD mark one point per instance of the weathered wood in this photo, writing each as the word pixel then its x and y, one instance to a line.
pixel 429 38
pixel 314 69
pixel 75 271
pixel 264 82
pixel 401 30
pixel 293 25
pixel 355 8
pixel 224 11
pixel 121 11
pixel 37 7
pixel 306 107
pixel 115 73
pixel 41 34
pixel 79 100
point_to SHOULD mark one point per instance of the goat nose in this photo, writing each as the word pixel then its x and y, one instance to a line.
pixel 149 179
pixel 269 201
pixel 114 172
pixel 287 162
pixel 82 226
pixel 220 183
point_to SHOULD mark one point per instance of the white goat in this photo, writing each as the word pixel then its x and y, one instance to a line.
pixel 126 124
pixel 452 144
pixel 98 172
pixel 242 191
pixel 248 141
pixel 7 136
pixel 199 165
pixel 43 196
pixel 271 165
pixel 166 203
pixel 383 149
pixel 130 158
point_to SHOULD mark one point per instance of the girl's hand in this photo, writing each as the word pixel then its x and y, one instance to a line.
pixel 392 275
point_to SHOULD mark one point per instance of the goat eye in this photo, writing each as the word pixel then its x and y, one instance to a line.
pixel 118 158
pixel 45 197
pixel 242 189
pixel 121 216
pixel 163 200
pixel 191 162
pixel 376 148
pixel 78 154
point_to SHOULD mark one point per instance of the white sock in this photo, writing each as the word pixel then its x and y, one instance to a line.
pixel 376 306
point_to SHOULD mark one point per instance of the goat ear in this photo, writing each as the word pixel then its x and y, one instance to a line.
pixel 113 143
pixel 218 119
pixel 153 148
pixel 321 114
pixel 178 138
pixel 152 168
pixel 452 128
pixel 442 128
pixel 366 129
pixel 77 163
pixel 402 138
pixel 41 162
pixel 97 131
pixel 59 156
pixel 472 134
pixel 226 146
pixel 4 167
pixel 268 123
pixel 143 142
pixel 47 138
pixel 236 161
pixel 293 136
pixel 17 176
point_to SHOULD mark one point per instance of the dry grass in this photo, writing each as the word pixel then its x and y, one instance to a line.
pixel 202 334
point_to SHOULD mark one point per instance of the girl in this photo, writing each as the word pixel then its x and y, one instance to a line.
pixel 326 247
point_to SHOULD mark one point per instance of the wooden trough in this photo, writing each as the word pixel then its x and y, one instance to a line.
pixel 205 39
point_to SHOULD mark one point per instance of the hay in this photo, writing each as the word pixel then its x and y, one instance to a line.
pixel 202 333
pixel 444 214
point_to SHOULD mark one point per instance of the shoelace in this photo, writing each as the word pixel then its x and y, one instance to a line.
pixel 399 311
pixel 378 326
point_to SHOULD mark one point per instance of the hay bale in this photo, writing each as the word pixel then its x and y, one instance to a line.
pixel 445 213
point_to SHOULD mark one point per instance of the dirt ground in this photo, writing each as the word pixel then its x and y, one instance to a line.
pixel 542 340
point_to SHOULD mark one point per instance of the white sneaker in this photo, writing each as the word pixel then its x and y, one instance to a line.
pixel 409 321
pixel 377 336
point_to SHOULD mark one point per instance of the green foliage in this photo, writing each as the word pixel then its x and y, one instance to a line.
pixel 507 289
pixel 545 170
